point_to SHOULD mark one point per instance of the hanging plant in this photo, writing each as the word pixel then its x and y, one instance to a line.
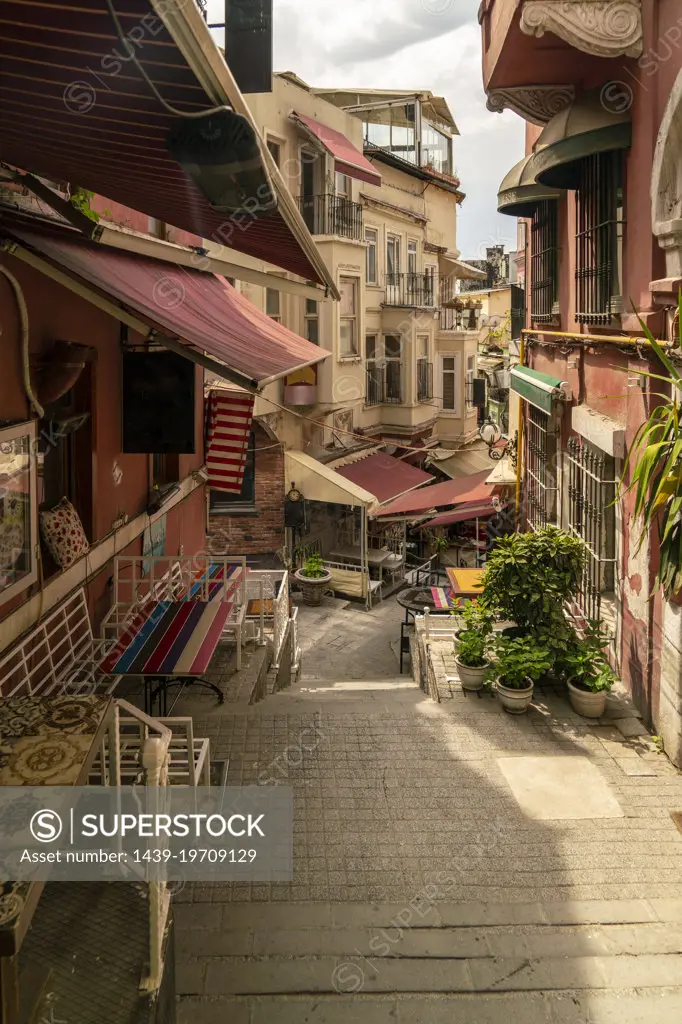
pixel 655 466
pixel 80 200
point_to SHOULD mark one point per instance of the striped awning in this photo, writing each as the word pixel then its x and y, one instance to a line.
pixel 228 426
pixel 540 389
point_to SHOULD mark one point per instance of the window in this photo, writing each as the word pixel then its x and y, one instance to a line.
pixel 471 373
pixel 66 446
pixel 373 390
pixel 424 370
pixel 541 469
pixel 348 286
pixel 592 486
pixel 392 259
pixel 18 509
pixel 412 258
pixel 544 261
pixel 449 382
pixel 599 238
pixel 312 321
pixel 223 501
pixel 372 238
pixel 436 149
pixel 394 368
pixel 276 151
pixel 272 304
pixel 341 184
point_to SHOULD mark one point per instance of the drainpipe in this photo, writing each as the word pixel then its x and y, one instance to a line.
pixel 23 321
pixel 519 446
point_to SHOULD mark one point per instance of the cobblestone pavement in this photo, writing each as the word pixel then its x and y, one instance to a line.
pixel 421 891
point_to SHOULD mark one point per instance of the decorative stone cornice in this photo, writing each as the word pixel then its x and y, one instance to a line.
pixel 536 103
pixel 605 28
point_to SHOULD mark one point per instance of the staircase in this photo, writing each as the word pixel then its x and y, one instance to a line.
pixel 328 963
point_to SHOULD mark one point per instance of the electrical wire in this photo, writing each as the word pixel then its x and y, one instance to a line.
pixel 129 47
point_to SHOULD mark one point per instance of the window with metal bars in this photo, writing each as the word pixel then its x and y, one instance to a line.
pixel 541 469
pixel 592 517
pixel 544 261
pixel 599 238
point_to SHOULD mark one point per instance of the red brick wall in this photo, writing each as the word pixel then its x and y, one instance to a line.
pixel 261 532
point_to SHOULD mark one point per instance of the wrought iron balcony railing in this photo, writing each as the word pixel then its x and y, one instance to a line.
pixel 411 290
pixel 329 214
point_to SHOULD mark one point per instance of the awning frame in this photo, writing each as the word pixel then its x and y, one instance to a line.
pixel 355 171
pixel 532 381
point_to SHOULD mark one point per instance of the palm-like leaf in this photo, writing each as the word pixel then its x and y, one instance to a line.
pixel 654 463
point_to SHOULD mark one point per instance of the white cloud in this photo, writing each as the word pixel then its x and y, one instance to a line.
pixel 411 44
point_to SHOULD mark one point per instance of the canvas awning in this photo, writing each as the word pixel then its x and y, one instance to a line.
pixel 75 108
pixel 584 128
pixel 444 495
pixel 347 158
pixel 318 482
pixel 463 270
pixel 462 463
pixel 540 389
pixel 198 314
pixel 385 476
pixel 519 194
pixel 472 510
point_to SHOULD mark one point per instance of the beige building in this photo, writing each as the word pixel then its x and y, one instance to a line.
pixel 373 175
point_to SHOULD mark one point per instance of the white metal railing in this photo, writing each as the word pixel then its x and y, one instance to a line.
pixel 267 595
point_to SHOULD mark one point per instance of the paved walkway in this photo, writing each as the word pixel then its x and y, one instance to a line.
pixel 426 888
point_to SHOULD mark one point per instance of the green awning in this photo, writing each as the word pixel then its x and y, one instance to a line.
pixel 519 194
pixel 582 129
pixel 539 389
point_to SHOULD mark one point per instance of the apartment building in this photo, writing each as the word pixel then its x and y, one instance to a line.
pixel 373 175
pixel 599 200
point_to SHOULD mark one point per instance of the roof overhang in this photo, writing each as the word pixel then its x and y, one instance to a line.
pixel 318 482
pixel 77 113
pixel 347 158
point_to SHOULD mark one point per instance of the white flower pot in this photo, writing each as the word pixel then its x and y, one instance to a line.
pixel 471 678
pixel 514 701
pixel 586 703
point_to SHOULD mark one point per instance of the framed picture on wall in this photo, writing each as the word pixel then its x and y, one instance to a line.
pixel 18 509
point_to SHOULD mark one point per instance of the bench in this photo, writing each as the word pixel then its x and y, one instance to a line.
pixel 59 655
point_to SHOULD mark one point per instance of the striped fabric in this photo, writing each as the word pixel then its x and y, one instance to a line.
pixel 228 426
pixel 442 598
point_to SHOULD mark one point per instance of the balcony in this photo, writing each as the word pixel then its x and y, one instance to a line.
pixel 329 214
pixel 424 380
pixel 384 383
pixel 411 290
pixel 467 319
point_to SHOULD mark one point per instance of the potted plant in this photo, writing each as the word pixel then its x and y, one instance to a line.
pixel 313 579
pixel 471 661
pixel 519 663
pixel 476 616
pixel 588 674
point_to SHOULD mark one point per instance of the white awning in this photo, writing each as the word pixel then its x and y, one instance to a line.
pixel 318 482
pixel 463 270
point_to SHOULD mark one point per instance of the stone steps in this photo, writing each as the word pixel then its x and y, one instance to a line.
pixel 375 963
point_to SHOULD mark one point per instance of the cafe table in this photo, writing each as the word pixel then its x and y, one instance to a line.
pixel 465 582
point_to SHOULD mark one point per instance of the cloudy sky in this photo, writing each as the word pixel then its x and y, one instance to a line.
pixel 411 44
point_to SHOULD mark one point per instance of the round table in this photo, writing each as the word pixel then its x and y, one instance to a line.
pixel 415 599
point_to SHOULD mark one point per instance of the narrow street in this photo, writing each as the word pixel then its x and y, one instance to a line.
pixel 423 890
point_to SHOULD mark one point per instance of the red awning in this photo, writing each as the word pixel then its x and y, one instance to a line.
pixel 74 107
pixel 347 158
pixel 383 476
pixel 201 310
pixel 475 510
pixel 451 492
pixel 229 415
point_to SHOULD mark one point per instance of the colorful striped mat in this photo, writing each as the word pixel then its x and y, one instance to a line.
pixel 442 598
pixel 172 638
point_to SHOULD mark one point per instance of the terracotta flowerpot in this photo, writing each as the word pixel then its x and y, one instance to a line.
pixel 313 587
pixel 587 703
pixel 516 702
pixel 471 678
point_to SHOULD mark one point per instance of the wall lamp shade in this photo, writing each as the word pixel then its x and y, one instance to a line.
pixel 221 154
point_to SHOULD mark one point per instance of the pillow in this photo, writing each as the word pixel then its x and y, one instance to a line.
pixel 63 534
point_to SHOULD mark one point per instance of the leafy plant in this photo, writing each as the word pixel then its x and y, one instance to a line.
pixel 80 200
pixel 472 641
pixel 585 663
pixel 655 463
pixel 518 660
pixel 314 567
pixel 529 576
pixel 478 617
